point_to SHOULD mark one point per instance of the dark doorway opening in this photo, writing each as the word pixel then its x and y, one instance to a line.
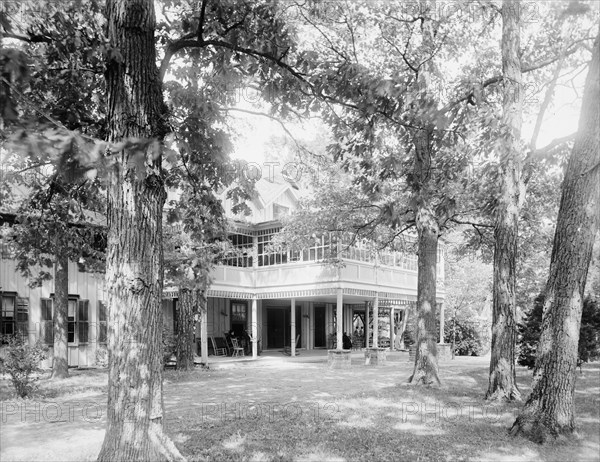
pixel 320 331
pixel 279 326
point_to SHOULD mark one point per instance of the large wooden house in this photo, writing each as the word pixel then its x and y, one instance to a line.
pixel 274 295
pixel 281 295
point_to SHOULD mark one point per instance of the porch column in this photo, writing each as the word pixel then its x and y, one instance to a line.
pixel 293 327
pixel 442 322
pixel 340 316
pixel 392 336
pixel 254 328
pixel 204 334
pixel 376 321
pixel 367 330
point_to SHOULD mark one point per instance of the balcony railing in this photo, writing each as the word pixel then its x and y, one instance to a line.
pixel 261 252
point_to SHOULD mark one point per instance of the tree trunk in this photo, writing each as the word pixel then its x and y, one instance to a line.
pixel 60 363
pixel 426 362
pixel 187 307
pixel 134 272
pixel 502 380
pixel 548 411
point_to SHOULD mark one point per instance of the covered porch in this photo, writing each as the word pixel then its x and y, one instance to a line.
pixel 308 321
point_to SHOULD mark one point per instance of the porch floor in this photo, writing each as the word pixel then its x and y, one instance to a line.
pixel 304 356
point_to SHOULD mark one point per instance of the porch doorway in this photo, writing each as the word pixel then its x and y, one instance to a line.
pixel 320 327
pixel 279 326
pixel 239 318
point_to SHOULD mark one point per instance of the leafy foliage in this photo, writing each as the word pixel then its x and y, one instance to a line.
pixel 589 333
pixel 470 337
pixel 21 362
pixel 529 334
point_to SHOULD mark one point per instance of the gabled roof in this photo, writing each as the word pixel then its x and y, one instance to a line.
pixel 269 191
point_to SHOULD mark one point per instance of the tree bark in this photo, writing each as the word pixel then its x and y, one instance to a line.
pixel 425 371
pixel 548 412
pixel 134 273
pixel 60 360
pixel 426 361
pixel 502 379
pixel 189 300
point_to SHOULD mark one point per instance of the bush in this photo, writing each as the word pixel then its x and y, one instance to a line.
pixel 529 333
pixel 589 333
pixel 21 361
pixel 101 356
pixel 471 338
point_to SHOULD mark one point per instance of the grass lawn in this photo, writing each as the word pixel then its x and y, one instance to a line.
pixel 304 411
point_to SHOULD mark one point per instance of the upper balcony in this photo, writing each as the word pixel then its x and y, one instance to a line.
pixel 258 266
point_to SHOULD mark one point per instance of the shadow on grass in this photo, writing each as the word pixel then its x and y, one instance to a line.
pixel 366 414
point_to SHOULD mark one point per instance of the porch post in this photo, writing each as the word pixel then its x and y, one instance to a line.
pixel 339 312
pixel 254 328
pixel 293 327
pixel 376 321
pixel 367 330
pixel 204 334
pixel 442 322
pixel 392 336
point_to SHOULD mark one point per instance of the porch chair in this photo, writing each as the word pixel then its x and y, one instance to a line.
pixel 219 351
pixel 237 349
pixel 287 350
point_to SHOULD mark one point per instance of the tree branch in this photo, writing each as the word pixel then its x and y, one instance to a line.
pixel 475 225
pixel 201 20
pixel 524 69
pixel 29 38
pixel 543 152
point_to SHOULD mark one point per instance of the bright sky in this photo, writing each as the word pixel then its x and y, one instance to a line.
pixel 561 119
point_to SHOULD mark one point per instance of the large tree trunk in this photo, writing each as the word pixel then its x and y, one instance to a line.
pixel 502 380
pixel 548 411
pixel 60 364
pixel 189 299
pixel 426 361
pixel 134 273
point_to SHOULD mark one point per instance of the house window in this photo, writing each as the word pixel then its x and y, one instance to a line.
pixel 269 254
pixel 239 316
pixel 78 324
pixel 322 247
pixel 71 317
pixel 241 255
pixel 102 327
pixel 15 314
pixel 238 312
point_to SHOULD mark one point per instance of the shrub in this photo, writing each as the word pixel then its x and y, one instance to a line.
pixel 21 361
pixel 101 356
pixel 589 333
pixel 529 333
pixel 471 337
